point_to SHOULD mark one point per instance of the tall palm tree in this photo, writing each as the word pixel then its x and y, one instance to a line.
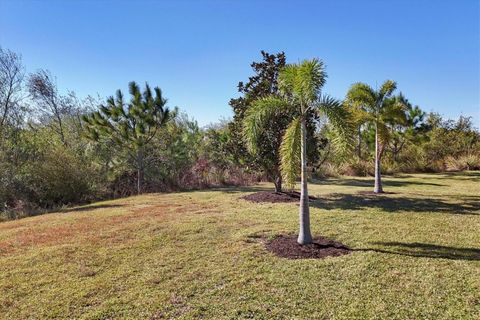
pixel 300 88
pixel 380 109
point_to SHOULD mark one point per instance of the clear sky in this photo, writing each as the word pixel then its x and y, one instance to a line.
pixel 197 51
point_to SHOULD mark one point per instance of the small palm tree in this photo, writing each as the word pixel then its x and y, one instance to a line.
pixel 300 88
pixel 379 109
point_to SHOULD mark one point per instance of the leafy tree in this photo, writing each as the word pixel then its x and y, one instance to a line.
pixel 216 146
pixel 130 125
pixel 378 110
pixel 300 87
pixel 174 150
pixel 266 153
pixel 449 138
pixel 262 84
pixel 410 127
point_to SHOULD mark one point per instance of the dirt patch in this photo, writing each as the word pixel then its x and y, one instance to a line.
pixel 273 197
pixel 287 247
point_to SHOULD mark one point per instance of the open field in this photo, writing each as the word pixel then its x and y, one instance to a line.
pixel 201 255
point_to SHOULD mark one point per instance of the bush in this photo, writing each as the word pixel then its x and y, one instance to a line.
pixel 326 170
pixel 38 173
pixel 468 161
pixel 357 167
pixel 59 178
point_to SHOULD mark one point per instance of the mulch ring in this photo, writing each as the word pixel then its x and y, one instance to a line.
pixel 266 196
pixel 288 247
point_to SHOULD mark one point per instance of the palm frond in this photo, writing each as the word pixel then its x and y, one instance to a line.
pixel 311 77
pixel 341 120
pixel 256 117
pixel 361 95
pixel 384 134
pixel 287 79
pixel 290 153
pixel 303 81
pixel 387 89
pixel 359 112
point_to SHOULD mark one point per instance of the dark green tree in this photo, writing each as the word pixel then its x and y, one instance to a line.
pixel 263 83
pixel 408 128
pixel 265 154
pixel 130 125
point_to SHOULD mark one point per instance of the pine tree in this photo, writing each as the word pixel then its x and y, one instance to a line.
pixel 130 125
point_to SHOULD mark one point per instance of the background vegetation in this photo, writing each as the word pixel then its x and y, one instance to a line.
pixel 51 156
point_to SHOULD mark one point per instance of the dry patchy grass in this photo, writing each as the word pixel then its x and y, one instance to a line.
pixel 200 255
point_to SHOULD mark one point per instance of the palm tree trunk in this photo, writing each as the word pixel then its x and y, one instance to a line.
pixel 305 236
pixel 378 179
pixel 359 150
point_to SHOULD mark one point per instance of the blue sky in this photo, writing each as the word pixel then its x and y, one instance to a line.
pixel 197 51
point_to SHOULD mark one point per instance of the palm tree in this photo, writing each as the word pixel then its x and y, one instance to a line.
pixel 300 88
pixel 380 109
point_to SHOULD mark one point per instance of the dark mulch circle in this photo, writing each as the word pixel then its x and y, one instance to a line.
pixel 266 196
pixel 288 247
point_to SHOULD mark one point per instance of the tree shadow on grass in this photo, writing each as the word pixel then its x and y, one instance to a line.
pixel 426 250
pixel 253 188
pixel 469 205
pixel 351 182
pixel 462 175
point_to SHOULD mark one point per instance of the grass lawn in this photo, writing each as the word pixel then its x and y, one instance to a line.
pixel 200 255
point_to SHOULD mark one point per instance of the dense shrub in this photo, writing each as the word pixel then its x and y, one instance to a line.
pixel 59 178
pixel 470 161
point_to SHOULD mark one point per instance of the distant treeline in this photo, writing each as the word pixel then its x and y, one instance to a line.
pixel 57 149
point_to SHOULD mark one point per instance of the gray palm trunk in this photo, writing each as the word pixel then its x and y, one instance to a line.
pixel 359 150
pixel 304 236
pixel 378 179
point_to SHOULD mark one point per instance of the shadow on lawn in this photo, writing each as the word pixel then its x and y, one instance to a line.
pixel 352 182
pixel 469 205
pixel 425 250
pixel 463 175
pixel 253 188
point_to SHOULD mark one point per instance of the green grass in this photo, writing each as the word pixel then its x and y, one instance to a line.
pixel 199 255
